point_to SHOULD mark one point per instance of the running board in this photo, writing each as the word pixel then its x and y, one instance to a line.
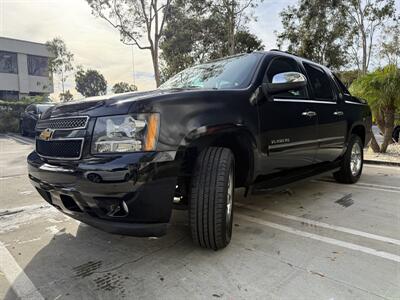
pixel 285 179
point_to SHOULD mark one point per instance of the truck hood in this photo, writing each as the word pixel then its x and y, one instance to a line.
pixel 110 104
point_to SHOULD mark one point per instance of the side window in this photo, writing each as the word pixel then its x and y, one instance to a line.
pixel 319 82
pixel 31 109
pixel 282 65
pixel 341 85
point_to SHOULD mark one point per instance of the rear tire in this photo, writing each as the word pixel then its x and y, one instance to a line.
pixel 211 198
pixel 352 163
pixel 396 134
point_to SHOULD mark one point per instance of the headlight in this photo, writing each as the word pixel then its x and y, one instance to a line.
pixel 126 133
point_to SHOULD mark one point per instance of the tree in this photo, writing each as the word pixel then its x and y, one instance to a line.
pixel 390 45
pixel 235 16
pixel 136 20
pixel 66 97
pixel 366 18
pixel 348 77
pixel 247 42
pixel 90 83
pixel 62 61
pixel 381 89
pixel 195 33
pixel 123 87
pixel 315 29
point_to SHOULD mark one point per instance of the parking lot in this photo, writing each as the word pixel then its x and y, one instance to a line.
pixel 316 240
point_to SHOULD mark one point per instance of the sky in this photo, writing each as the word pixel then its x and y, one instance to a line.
pixel 96 44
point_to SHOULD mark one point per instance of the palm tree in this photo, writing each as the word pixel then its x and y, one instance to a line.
pixel 381 89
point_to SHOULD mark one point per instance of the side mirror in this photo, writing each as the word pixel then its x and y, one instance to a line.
pixel 284 82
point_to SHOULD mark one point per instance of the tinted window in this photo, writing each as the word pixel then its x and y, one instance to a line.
pixel 8 62
pixel 320 82
pixel 282 65
pixel 38 66
pixel 341 85
pixel 231 73
pixel 31 109
pixel 43 107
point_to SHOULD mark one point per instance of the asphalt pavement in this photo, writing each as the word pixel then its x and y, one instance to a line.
pixel 316 240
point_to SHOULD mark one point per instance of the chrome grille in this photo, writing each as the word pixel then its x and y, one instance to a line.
pixel 63 123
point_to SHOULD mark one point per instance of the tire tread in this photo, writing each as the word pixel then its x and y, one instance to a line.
pixel 208 197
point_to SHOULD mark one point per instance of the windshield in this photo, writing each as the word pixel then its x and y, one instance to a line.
pixel 42 108
pixel 231 73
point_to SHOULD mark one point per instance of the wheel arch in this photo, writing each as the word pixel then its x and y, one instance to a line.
pixel 360 130
pixel 237 138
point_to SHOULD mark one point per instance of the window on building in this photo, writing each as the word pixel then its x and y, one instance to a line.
pixel 9 95
pixel 38 66
pixel 8 62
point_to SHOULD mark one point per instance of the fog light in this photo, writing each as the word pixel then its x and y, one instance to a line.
pixel 125 207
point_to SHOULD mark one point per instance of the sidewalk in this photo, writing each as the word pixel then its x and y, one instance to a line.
pixel 392 157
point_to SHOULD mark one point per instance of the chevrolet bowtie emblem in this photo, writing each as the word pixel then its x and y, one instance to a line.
pixel 46 134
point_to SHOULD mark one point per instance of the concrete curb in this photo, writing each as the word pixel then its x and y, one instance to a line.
pixel 382 163
pixel 19 138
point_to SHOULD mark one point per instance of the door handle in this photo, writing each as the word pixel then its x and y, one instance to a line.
pixel 338 113
pixel 309 113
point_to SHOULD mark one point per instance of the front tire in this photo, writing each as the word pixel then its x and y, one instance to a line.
pixel 211 198
pixel 352 163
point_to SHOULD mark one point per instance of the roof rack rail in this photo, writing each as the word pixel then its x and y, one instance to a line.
pixel 287 52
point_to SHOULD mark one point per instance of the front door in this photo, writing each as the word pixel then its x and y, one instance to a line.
pixel 288 124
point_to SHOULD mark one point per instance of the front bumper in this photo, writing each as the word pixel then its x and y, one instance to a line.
pixel 128 194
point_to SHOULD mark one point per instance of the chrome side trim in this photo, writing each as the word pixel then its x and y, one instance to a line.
pixel 292 144
pixel 271 147
pixel 356 103
pixel 331 138
pixel 60 157
pixel 304 101
pixel 64 118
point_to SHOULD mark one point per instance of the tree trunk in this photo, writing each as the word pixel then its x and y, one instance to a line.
pixel 156 69
pixel 389 126
pixel 380 121
pixel 365 54
pixel 231 26
pixel 62 81
pixel 374 145
pixel 155 59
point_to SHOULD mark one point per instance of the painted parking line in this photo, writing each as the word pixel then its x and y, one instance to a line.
pixel 322 225
pixel 362 186
pixel 373 185
pixel 396 168
pixel 19 281
pixel 321 238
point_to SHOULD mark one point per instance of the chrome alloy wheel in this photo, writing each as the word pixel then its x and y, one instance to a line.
pixel 229 200
pixel 355 159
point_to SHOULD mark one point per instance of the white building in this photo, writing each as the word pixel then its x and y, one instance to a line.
pixel 23 69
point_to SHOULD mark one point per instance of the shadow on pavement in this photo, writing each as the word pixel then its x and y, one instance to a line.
pixel 81 262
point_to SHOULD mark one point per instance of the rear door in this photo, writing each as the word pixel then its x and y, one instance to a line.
pixel 332 125
pixel 288 124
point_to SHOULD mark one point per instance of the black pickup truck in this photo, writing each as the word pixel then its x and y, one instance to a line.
pixel 258 120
